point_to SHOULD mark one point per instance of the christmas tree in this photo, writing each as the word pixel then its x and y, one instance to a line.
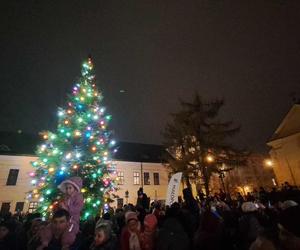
pixel 82 146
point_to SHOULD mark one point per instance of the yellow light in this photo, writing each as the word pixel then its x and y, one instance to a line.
pixel 51 207
pixel 84 90
pixel 105 153
pixel 94 148
pixel 103 127
pixel 82 98
pixel 45 137
pixel 95 94
pixel 268 162
pixel 36 196
pixel 83 190
pixel 66 122
pixel 209 158
pixel 69 111
pixel 51 169
pixel 77 133
pixel 35 191
pixel 75 167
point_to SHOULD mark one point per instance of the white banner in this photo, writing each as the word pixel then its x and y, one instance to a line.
pixel 173 189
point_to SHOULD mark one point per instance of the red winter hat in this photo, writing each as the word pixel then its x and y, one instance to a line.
pixel 75 181
pixel 151 221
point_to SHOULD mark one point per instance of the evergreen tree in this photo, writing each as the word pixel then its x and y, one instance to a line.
pixel 198 141
pixel 81 146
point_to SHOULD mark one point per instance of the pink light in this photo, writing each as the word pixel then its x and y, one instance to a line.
pixel 32 174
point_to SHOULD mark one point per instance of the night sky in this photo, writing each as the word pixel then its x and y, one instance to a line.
pixel 247 52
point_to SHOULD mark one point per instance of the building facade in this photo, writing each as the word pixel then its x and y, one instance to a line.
pixel 138 165
pixel 255 174
pixel 285 148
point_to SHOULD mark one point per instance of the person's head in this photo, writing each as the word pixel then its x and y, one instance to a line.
pixel 132 221
pixel 4 230
pixel 71 185
pixel 60 221
pixel 150 222
pixel 289 230
pixel 35 225
pixel 102 233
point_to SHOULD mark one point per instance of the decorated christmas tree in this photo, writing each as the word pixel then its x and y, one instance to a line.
pixel 81 146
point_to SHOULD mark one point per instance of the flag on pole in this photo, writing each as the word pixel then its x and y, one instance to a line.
pixel 173 189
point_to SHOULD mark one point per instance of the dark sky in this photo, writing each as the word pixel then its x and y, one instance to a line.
pixel 247 52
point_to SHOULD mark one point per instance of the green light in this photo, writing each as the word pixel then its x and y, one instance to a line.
pixel 80 119
pixel 98 202
pixel 94 175
pixel 48 191
pixel 45 160
pixel 45 208
pixel 35 163
pixel 88 199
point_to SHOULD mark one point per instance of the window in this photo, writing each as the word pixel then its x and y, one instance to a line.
pixel 5 207
pixel 136 178
pixel 156 178
pixel 146 178
pixel 32 206
pixel 19 206
pixel 121 178
pixel 12 177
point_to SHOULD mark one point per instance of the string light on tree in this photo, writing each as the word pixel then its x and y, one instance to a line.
pixel 81 146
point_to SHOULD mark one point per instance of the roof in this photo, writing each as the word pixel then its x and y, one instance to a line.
pixel 290 124
pixel 13 143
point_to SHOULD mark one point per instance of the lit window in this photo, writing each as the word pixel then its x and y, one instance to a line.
pixel 12 177
pixel 121 178
pixel 136 178
pixel 156 178
pixel 146 178
pixel 32 206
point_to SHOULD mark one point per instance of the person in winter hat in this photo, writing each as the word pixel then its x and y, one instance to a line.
pixel 104 238
pixel 131 233
pixel 73 203
pixel 148 234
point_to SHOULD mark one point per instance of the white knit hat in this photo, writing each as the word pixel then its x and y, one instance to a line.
pixel 249 207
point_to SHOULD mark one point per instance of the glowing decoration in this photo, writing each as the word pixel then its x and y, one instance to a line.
pixel 81 146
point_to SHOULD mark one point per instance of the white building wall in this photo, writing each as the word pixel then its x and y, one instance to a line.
pixel 17 193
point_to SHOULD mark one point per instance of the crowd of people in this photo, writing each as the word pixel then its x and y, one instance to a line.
pixel 260 220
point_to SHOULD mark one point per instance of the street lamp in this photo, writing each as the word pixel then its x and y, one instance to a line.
pixel 268 163
pixel 210 158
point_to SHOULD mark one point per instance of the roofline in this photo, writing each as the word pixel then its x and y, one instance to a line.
pixel 282 123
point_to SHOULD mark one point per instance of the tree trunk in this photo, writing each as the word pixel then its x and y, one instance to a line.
pixel 206 180
pixel 187 182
